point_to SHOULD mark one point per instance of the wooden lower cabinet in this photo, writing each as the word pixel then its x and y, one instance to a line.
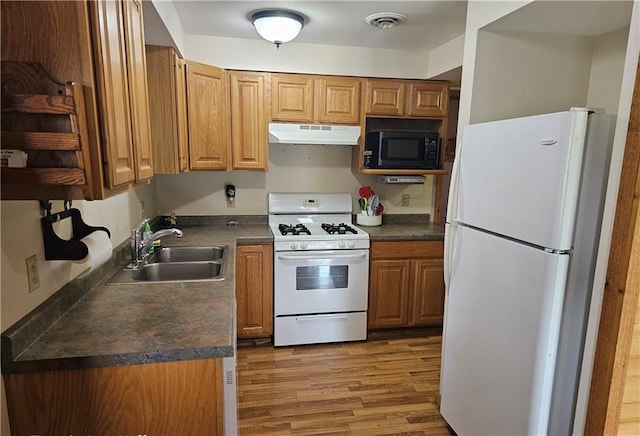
pixel 254 290
pixel 172 398
pixel 406 284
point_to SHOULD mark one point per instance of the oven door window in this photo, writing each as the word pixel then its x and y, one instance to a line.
pixel 320 277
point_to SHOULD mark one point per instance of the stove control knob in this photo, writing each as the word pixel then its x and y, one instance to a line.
pixel 342 244
pixel 303 245
pixel 294 246
pixel 352 244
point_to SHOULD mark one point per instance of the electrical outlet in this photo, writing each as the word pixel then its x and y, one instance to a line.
pixel 406 200
pixel 142 209
pixel 32 273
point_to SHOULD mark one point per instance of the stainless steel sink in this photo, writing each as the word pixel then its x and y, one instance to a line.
pixel 177 264
pixel 187 254
pixel 178 271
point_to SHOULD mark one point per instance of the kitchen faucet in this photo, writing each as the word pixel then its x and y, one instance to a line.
pixel 139 246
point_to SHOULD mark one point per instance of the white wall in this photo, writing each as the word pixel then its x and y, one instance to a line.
pixel 479 14
pixel 606 70
pixel 447 57
pixel 291 169
pixel 250 54
pixel 22 238
pixel 537 73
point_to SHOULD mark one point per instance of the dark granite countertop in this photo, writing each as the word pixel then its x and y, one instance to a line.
pixel 406 232
pixel 404 228
pixel 125 324
pixel 89 323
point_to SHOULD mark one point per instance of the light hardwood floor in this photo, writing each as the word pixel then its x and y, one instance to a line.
pixel 380 387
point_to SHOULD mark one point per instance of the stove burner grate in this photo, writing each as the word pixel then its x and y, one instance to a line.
pixel 339 229
pixel 297 229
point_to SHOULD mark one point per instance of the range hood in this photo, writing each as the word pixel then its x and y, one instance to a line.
pixel 319 134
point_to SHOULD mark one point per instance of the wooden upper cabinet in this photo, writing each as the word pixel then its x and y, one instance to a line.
pixel 208 117
pixel 338 100
pixel 137 70
pixel 304 98
pixel 384 97
pixel 113 91
pixel 427 99
pixel 168 109
pixel 180 74
pixel 292 98
pixel 249 120
pixel 122 90
pixel 408 98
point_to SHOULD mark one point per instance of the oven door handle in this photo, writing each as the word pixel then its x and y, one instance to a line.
pixel 317 257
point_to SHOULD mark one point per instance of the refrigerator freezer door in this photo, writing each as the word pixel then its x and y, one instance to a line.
pixel 520 177
pixel 502 319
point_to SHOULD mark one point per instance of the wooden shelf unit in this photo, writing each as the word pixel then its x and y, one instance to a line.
pixel 47 120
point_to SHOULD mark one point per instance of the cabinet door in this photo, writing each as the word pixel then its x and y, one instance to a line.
pixel 338 100
pixel 113 91
pixel 254 290
pixel 180 77
pixel 292 98
pixel 137 75
pixel 427 100
pixel 389 293
pixel 207 97
pixel 249 120
pixel 168 109
pixel 427 292
pixel 384 97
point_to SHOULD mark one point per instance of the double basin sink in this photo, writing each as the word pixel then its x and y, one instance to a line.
pixel 176 264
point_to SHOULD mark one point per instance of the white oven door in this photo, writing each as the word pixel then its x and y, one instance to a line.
pixel 320 281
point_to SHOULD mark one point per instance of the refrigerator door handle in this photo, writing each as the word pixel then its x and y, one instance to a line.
pixel 449 236
pixel 452 206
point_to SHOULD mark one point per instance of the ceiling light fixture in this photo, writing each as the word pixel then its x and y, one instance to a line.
pixel 277 26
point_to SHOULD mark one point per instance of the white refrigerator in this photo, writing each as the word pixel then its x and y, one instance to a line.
pixel 521 238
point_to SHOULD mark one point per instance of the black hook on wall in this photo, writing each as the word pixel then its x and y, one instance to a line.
pixel 56 248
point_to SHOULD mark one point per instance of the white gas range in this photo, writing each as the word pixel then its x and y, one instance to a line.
pixel 321 269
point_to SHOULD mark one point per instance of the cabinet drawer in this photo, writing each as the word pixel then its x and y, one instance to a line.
pixel 406 249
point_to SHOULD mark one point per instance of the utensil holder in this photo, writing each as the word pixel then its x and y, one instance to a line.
pixel 367 220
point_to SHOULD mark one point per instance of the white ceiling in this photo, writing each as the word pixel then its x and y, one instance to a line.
pixel 429 23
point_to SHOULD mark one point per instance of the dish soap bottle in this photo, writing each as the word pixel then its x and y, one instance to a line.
pixel 146 233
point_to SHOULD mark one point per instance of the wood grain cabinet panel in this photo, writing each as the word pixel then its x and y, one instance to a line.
pixel 302 98
pixel 122 90
pixel 388 293
pixel 249 120
pixel 384 97
pixel 173 398
pixel 427 292
pixel 138 89
pixel 254 290
pixel 113 91
pixel 208 117
pixel 406 284
pixel 168 109
pixel 338 100
pixel 427 99
pixel 292 98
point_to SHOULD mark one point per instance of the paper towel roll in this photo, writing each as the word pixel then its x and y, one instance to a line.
pixel 100 249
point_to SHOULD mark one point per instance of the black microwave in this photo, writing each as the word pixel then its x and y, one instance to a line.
pixel 402 150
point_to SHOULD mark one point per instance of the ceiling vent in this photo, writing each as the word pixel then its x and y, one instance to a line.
pixel 385 20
